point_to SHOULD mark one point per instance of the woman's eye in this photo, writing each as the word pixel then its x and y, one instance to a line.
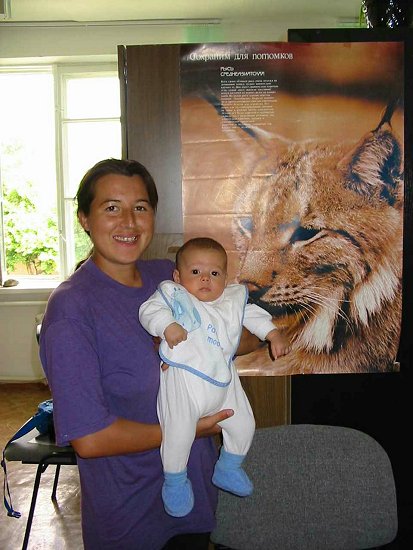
pixel 195 272
pixel 215 273
pixel 141 208
pixel 111 208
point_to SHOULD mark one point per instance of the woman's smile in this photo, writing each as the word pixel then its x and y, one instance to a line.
pixel 126 239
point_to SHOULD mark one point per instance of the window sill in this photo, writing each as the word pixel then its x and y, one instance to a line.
pixel 28 291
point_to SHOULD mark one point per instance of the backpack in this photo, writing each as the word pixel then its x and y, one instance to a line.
pixel 42 420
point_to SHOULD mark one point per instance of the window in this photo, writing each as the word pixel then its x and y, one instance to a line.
pixel 56 122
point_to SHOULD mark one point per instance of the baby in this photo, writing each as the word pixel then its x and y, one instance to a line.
pixel 200 320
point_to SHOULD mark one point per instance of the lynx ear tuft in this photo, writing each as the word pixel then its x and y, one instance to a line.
pixel 374 166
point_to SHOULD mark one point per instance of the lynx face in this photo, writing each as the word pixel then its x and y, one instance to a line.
pixel 321 250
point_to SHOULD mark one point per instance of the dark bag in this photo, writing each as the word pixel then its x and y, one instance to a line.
pixel 42 420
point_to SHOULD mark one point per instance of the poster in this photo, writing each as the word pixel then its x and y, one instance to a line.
pixel 292 158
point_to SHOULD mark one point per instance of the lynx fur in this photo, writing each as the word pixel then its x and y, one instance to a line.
pixel 322 251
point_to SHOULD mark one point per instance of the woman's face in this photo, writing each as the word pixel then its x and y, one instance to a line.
pixel 120 222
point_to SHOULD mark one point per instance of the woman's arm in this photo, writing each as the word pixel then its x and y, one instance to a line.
pixel 126 436
pixel 121 437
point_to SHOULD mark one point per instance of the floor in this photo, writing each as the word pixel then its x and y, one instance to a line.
pixel 55 526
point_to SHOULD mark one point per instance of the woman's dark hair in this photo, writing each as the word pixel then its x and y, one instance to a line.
pixel 86 191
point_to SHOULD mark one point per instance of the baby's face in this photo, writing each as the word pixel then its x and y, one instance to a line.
pixel 203 273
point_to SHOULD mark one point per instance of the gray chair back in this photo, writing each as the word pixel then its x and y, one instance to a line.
pixel 315 487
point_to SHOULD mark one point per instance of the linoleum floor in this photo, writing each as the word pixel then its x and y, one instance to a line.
pixel 55 526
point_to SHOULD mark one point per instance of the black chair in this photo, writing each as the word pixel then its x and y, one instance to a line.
pixel 315 487
pixel 35 448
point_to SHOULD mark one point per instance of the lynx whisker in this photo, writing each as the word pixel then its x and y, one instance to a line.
pixel 324 301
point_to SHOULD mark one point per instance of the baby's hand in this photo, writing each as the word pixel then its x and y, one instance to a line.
pixel 279 343
pixel 174 334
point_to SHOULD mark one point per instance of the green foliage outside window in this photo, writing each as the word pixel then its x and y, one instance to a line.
pixel 31 239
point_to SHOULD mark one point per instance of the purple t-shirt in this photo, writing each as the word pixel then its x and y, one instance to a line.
pixel 101 364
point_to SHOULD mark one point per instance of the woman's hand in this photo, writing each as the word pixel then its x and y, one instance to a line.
pixel 156 342
pixel 208 425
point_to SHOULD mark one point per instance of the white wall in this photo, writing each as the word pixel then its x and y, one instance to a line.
pixel 19 40
pixel 79 39
pixel 19 357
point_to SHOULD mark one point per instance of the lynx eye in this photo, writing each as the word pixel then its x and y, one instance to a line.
pixel 303 234
pixel 245 226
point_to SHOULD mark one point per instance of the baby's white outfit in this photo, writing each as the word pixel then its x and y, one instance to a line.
pixel 202 379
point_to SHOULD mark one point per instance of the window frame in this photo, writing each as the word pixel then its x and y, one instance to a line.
pixel 61 73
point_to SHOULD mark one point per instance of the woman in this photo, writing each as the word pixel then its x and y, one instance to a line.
pixel 103 371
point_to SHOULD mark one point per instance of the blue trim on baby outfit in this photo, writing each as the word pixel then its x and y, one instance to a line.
pixel 183 310
pixel 189 318
pixel 164 297
pixel 193 371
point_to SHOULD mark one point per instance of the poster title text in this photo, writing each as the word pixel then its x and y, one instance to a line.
pixel 194 56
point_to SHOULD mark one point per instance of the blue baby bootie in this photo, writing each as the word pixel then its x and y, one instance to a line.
pixel 177 495
pixel 229 476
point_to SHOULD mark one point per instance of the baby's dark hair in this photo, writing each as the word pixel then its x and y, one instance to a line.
pixel 203 243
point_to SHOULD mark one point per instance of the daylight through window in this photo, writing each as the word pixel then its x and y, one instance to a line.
pixel 56 122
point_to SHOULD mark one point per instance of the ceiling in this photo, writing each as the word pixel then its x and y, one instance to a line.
pixel 16 11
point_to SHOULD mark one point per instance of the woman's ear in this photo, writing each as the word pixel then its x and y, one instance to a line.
pixel 176 276
pixel 83 220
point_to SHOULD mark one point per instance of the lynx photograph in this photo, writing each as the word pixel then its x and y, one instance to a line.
pixel 292 158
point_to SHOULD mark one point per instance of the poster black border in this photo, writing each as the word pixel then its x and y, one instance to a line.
pixel 378 404
pixel 387 35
